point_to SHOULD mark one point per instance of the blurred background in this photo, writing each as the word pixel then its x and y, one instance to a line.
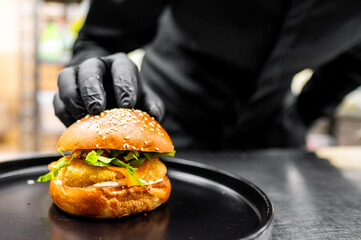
pixel 35 44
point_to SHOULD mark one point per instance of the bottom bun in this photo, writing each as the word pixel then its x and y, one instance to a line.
pixel 109 202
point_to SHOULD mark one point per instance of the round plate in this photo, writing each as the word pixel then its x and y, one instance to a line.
pixel 205 203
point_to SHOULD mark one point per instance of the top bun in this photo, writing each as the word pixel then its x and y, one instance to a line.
pixel 122 129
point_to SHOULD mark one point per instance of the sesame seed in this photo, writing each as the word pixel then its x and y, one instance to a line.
pixel 126 137
pixel 152 130
pixel 141 128
pixel 78 121
pixel 134 148
pixel 157 148
pixel 97 145
pixel 104 137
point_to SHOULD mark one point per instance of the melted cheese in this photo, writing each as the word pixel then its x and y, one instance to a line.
pixel 140 173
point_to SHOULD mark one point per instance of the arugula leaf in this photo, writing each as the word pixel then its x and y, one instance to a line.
pixel 137 162
pixel 130 169
pixel 53 174
pixel 47 177
pixel 148 156
pixel 59 150
pixel 99 152
pixel 115 152
pixel 167 154
pixel 131 155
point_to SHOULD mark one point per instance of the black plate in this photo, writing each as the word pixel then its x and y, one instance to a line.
pixel 205 203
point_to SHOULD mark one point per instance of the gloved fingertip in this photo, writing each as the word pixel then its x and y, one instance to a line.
pixel 126 104
pixel 61 112
pixel 156 111
pixel 96 108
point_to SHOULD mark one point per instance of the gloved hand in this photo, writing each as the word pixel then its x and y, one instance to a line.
pixel 103 83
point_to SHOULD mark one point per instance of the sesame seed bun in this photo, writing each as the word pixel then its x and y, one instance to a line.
pixel 110 202
pixel 122 129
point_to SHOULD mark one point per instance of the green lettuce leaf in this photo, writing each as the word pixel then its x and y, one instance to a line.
pixel 91 158
pixel 105 159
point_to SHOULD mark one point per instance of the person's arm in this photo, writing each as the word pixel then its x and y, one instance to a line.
pixel 116 26
pixel 100 75
pixel 329 85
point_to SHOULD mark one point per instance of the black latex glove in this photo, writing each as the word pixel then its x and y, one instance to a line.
pixel 103 83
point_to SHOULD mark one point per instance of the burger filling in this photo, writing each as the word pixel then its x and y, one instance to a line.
pixel 107 168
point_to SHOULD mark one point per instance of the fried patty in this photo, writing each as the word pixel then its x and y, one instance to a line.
pixel 80 174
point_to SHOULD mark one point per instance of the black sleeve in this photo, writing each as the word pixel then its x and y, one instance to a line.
pixel 116 26
pixel 329 85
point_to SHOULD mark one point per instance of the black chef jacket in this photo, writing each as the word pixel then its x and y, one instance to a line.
pixel 224 68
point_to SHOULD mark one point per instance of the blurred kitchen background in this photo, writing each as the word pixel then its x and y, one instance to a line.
pixel 35 44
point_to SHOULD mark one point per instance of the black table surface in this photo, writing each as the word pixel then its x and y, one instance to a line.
pixel 313 198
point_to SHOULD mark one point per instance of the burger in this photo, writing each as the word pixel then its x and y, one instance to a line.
pixel 113 169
